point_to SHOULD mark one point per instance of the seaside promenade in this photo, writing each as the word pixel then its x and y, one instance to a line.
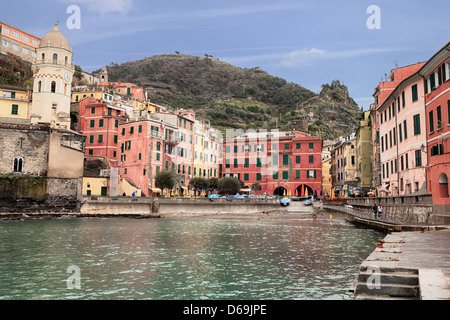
pixel 417 255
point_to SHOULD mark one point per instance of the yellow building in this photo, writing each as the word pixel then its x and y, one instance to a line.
pixel 363 173
pixel 14 104
pixel 326 177
pixel 80 95
pixel 199 149
pixel 95 186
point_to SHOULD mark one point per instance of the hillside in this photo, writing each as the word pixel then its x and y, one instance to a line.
pixel 233 97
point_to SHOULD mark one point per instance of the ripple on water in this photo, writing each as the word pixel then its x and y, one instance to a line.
pixel 181 259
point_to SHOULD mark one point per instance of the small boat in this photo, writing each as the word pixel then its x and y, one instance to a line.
pixel 308 202
pixel 285 201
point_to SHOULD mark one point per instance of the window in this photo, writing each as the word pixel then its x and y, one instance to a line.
pixel 91 139
pixel 297 159
pixel 55 58
pixel 418 154
pixel 246 163
pixel 15 47
pixel 275 175
pixel 382 144
pixel 403 99
pixel 16 34
pixel 311 159
pixel 405 129
pixel 18 164
pixel 246 178
pixel 430 116
pixel 311 145
pixel 311 174
pixel 6 31
pixel 158 146
pixel 100 123
pixel 6 43
pixel 298 146
pixel 275 160
pixel 297 174
pixel 115 139
pixel 416 124
pixel 235 163
pixel 131 130
pixel 53 90
pixel 140 128
pixel 15 109
pixel 406 161
pixel 439 117
pixel 258 177
pixel 258 162
pixel 286 146
pixel 100 138
pixel 400 132
pixel 285 160
pixel 415 96
pixel 285 175
pixel 116 123
pixel 91 152
pixel 92 123
pixel 158 156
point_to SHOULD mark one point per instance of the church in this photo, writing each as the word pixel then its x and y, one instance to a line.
pixel 42 153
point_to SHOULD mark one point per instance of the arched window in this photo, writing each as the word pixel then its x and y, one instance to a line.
pixel 43 56
pixel 53 86
pixel 55 58
pixel 39 86
pixel 443 185
pixel 66 59
pixel 18 164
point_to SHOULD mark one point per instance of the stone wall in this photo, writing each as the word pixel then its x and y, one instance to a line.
pixel 23 142
pixel 410 208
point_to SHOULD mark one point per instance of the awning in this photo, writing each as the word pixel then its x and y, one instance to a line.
pixel 246 190
pixel 183 187
pixel 156 190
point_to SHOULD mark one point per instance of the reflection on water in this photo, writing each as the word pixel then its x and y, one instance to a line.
pixel 122 258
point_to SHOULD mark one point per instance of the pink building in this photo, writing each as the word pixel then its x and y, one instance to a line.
pixel 402 134
pixel 146 147
pixel 99 122
pixel 436 76
pixel 382 92
pixel 124 88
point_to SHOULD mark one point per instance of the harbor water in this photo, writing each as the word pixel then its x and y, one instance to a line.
pixel 169 259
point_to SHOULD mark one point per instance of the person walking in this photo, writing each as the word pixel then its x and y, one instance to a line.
pixel 375 210
pixel 380 212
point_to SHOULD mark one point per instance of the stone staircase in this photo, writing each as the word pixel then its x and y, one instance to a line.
pixel 386 284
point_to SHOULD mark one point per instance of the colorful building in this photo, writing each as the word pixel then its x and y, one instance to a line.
pixel 381 93
pixel 80 95
pixel 18 42
pixel 142 148
pixel 14 104
pixel 99 122
pixel 402 134
pixel 280 162
pixel 363 172
pixel 126 89
pixel 344 153
pixel 436 75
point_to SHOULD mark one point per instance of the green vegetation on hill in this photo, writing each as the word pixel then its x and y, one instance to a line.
pixel 15 72
pixel 233 97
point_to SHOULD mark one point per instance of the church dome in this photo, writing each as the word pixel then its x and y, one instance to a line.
pixel 55 38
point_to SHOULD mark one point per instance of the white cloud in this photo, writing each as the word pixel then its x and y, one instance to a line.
pixel 303 57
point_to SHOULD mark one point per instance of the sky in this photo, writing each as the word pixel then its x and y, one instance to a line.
pixel 306 42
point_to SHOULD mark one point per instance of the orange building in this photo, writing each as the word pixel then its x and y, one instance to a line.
pixel 436 75
pixel 18 42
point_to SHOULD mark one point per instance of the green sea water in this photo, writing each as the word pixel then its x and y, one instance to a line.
pixel 172 259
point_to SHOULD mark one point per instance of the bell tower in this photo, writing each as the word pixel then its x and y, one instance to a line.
pixel 52 72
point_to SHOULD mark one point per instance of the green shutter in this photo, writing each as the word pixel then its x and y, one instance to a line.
pixel 258 177
pixel 91 139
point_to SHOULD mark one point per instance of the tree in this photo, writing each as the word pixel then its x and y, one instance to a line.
pixel 198 183
pixel 165 179
pixel 229 185
pixel 213 183
pixel 256 187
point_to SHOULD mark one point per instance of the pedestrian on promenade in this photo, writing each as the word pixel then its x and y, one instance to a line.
pixel 380 212
pixel 375 210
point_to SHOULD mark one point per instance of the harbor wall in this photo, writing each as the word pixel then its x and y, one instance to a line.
pixel 169 207
pixel 409 208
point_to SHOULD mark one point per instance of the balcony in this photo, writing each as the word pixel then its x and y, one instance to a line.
pixel 54 62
